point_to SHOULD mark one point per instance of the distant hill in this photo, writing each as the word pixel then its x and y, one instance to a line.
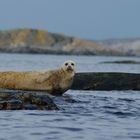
pixel 42 41
pixel 130 47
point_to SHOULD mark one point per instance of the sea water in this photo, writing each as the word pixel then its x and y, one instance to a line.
pixel 89 115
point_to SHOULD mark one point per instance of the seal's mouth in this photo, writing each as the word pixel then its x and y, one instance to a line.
pixel 69 68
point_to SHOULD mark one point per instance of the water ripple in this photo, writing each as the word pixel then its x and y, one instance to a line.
pixel 88 115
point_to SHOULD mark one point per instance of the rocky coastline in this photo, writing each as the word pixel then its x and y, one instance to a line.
pixel 43 42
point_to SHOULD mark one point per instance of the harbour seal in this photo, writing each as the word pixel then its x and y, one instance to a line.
pixel 55 82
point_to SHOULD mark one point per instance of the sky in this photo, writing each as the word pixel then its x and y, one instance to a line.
pixel 89 19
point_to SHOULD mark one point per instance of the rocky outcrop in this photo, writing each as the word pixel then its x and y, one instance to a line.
pixel 106 81
pixel 31 37
pixel 42 41
pixel 27 100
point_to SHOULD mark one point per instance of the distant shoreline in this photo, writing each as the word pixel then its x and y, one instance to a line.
pixel 33 41
pixel 61 53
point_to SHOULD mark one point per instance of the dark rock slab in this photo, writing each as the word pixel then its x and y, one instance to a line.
pixel 106 81
pixel 17 100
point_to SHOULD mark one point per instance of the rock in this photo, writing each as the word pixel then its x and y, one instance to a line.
pixel 15 100
pixel 106 81
pixel 123 62
pixel 30 107
pixel 30 37
pixel 11 104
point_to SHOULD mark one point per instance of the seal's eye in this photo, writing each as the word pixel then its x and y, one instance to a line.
pixel 66 64
pixel 72 64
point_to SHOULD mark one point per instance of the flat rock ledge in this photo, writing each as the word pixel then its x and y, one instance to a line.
pixel 25 100
pixel 106 81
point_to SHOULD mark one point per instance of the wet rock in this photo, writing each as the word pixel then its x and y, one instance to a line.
pixel 30 107
pixel 69 99
pixel 15 100
pixel 11 105
pixel 106 81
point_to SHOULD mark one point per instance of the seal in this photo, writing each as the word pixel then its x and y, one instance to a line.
pixel 55 82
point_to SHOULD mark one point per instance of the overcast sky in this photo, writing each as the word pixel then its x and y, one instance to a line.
pixel 90 19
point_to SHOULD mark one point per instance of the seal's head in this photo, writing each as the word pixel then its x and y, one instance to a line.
pixel 69 66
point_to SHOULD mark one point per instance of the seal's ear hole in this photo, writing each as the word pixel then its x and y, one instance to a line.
pixel 72 64
pixel 66 64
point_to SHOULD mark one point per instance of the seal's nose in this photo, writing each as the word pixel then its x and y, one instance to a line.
pixel 69 68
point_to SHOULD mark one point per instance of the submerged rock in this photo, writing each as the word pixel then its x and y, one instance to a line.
pixel 123 62
pixel 15 100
